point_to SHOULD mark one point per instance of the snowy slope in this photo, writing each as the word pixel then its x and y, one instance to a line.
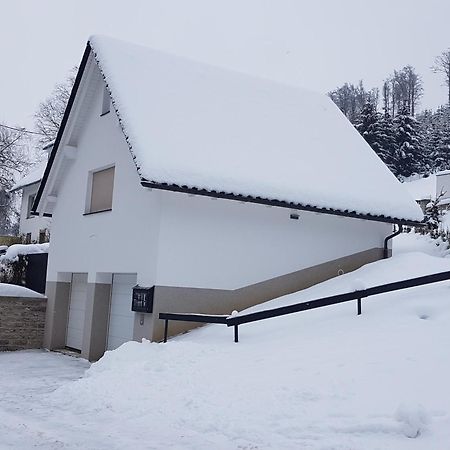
pixel 322 379
pixel 194 125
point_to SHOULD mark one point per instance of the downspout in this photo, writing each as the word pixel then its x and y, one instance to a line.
pixel 388 238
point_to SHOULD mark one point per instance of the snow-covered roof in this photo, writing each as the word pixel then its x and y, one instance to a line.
pixel 194 127
pixel 423 188
pixel 35 176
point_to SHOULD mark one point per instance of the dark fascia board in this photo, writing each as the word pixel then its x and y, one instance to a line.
pixel 51 159
pixel 278 203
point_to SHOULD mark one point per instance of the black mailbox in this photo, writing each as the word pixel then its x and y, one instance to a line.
pixel 142 299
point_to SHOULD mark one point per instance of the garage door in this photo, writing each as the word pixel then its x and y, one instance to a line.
pixel 121 318
pixel 77 307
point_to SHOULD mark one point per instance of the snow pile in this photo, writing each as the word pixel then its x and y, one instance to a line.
pixel 23 249
pixel 321 379
pixel 413 418
pixel 265 139
pixel 11 290
pixel 406 242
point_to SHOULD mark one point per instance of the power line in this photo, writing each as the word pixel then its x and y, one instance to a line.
pixel 22 130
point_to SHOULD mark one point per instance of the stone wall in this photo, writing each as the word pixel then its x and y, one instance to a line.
pixel 22 321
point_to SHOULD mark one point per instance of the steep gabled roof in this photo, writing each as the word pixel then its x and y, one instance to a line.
pixel 196 128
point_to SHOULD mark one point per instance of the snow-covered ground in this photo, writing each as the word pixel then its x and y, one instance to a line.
pixel 11 290
pixel 322 379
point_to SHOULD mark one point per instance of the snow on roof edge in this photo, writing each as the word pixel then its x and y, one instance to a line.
pixel 239 196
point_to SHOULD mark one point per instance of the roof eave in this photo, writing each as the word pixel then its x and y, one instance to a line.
pixel 62 127
pixel 22 186
pixel 279 203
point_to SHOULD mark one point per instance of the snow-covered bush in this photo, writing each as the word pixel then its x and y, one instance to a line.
pixel 13 271
pixel 435 222
pixel 14 262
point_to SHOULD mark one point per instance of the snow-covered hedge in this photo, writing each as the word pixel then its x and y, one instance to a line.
pixel 13 263
pixel 16 250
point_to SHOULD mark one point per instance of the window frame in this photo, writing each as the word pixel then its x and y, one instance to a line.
pixel 89 193
pixel 30 200
pixel 106 102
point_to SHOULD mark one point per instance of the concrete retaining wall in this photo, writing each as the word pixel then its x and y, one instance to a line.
pixel 22 321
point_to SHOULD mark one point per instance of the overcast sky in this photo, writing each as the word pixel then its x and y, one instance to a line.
pixel 318 44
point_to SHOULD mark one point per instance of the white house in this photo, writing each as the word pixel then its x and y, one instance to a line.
pixel 426 188
pixel 32 227
pixel 219 190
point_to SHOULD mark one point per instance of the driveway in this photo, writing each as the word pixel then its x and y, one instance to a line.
pixel 26 379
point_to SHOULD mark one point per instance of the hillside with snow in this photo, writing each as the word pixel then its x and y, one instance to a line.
pixel 321 379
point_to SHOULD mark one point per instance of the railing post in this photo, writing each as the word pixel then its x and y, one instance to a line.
pixel 236 334
pixel 166 329
pixel 359 306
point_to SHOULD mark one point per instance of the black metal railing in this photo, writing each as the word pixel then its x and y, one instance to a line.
pixel 187 317
pixel 358 295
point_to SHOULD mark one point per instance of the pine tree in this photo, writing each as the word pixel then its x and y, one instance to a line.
pixel 378 132
pixel 442 136
pixel 388 142
pixel 368 126
pixel 430 158
pixel 409 145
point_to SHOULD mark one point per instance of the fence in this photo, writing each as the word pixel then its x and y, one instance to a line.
pixel 358 295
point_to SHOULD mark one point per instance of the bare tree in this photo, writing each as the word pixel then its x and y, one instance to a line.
pixel 351 99
pixel 50 112
pixel 13 158
pixel 442 65
pixel 13 161
pixel 402 89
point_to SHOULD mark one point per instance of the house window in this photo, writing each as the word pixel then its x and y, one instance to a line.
pixel 106 102
pixel 43 236
pixel 30 205
pixel 101 194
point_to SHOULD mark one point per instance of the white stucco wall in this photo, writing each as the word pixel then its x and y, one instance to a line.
pixel 123 240
pixel 443 184
pixel 228 244
pixel 173 239
pixel 32 224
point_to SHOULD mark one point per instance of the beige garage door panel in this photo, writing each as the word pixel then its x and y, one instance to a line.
pixel 77 308
pixel 121 317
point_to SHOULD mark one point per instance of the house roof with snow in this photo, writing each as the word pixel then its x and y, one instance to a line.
pixel 195 128
pixel 423 188
pixel 34 176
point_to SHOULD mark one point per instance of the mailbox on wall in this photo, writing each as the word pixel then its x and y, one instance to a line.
pixel 143 299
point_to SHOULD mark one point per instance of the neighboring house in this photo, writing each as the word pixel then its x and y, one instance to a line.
pixel 425 189
pixel 32 228
pixel 216 189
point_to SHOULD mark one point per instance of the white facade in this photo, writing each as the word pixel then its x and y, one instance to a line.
pixel 30 224
pixel 443 184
